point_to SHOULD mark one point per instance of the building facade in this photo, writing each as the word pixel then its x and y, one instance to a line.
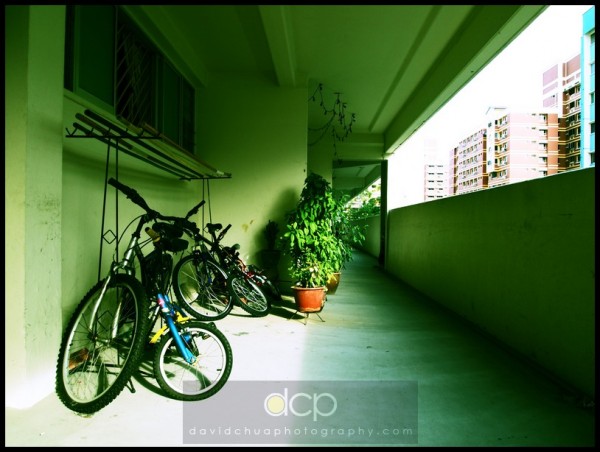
pixel 468 163
pixel 436 173
pixel 562 93
pixel 514 147
pixel 588 90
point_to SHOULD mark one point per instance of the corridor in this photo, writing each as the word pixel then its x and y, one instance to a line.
pixel 471 391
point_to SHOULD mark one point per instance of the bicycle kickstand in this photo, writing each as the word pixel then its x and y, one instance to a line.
pixel 130 385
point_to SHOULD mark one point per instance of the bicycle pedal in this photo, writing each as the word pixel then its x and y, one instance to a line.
pixel 78 358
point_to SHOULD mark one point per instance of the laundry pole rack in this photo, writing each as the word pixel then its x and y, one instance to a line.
pixel 142 143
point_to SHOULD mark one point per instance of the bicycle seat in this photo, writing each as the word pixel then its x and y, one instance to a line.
pixel 168 230
pixel 174 245
pixel 213 227
pixel 170 237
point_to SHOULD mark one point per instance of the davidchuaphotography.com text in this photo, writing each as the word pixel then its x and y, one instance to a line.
pixel 306 412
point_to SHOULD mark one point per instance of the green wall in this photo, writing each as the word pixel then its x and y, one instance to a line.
pixel 518 261
pixel 257 132
pixel 372 243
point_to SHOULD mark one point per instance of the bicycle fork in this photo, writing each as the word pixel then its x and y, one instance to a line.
pixel 163 301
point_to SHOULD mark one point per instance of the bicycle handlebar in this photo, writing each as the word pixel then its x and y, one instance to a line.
pixel 223 232
pixel 194 210
pixel 136 198
pixel 132 194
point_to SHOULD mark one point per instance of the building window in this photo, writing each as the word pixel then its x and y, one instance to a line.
pixel 110 62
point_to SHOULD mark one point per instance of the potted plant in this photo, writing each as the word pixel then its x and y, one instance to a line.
pixel 310 243
pixel 348 235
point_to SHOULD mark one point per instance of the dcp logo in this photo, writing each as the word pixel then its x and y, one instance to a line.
pixel 300 404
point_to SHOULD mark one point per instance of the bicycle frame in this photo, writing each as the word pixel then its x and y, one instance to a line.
pixel 169 312
pixel 224 257
pixel 203 248
pixel 125 264
pixel 228 256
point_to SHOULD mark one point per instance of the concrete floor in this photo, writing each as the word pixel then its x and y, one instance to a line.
pixel 471 391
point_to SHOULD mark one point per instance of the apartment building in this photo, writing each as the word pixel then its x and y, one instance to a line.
pixel 524 146
pixel 468 164
pixel 562 94
pixel 514 147
pixel 570 89
pixel 436 178
pixel 588 90
pixel 436 173
pixel 521 146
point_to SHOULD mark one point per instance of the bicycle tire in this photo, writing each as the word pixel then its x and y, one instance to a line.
pixel 271 291
pixel 200 287
pixel 190 382
pixel 248 295
pixel 102 345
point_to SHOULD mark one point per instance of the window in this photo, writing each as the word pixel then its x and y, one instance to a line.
pixel 111 63
pixel 89 58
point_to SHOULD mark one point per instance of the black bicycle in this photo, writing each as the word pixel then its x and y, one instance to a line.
pixel 199 282
pixel 103 343
pixel 231 255
pixel 196 273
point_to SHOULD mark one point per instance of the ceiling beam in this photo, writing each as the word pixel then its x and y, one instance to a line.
pixel 278 30
pixel 414 48
pixel 352 163
pixel 463 58
pixel 361 146
pixel 345 183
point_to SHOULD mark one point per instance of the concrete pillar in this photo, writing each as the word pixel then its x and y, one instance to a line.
pixel 34 90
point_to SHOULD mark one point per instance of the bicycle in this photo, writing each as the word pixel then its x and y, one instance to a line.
pixel 244 284
pixel 232 254
pixel 196 366
pixel 199 282
pixel 103 343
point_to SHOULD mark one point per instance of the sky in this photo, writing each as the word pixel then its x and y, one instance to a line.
pixel 558 28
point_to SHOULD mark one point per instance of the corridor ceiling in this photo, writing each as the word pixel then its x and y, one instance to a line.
pixel 394 65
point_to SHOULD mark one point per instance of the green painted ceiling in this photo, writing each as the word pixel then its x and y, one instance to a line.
pixel 396 65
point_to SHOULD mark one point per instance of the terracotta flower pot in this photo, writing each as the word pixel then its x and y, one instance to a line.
pixel 333 283
pixel 309 299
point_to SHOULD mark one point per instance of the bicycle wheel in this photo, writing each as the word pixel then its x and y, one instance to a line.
pixel 207 375
pixel 200 286
pixel 248 295
pixel 102 345
pixel 270 290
